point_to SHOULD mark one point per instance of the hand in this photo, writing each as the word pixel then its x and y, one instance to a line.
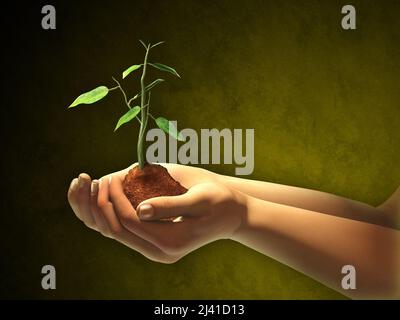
pixel 207 212
pixel 90 203
pixel 210 211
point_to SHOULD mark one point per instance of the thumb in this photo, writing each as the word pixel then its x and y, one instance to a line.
pixel 187 204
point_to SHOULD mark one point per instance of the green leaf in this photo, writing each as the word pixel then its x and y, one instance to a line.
pixel 164 67
pixel 131 114
pixel 90 96
pixel 168 127
pixel 148 87
pixel 130 69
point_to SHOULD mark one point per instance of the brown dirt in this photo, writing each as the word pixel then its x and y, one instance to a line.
pixel 153 181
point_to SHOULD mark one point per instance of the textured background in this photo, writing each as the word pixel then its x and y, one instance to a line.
pixel 324 104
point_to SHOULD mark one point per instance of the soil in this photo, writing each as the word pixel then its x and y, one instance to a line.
pixel 151 181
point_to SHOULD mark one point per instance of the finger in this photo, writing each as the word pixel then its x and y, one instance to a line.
pixel 83 200
pixel 103 195
pixel 154 233
pixel 101 224
pixel 145 248
pixel 105 207
pixel 72 198
pixel 103 210
pixel 186 205
pixel 118 232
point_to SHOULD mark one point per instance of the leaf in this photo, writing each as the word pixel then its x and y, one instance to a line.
pixel 168 127
pixel 130 69
pixel 132 113
pixel 148 87
pixel 164 67
pixel 90 96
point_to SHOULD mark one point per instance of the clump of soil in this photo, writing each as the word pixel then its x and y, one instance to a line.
pixel 151 181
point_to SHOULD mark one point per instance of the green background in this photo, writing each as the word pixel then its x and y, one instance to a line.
pixel 324 104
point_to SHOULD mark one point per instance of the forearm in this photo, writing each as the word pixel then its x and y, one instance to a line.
pixel 307 199
pixel 320 245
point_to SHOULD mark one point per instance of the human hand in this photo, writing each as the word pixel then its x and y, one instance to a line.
pixel 79 191
pixel 90 203
pixel 210 211
pixel 205 213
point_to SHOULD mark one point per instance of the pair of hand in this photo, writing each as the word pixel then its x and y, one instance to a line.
pixel 209 211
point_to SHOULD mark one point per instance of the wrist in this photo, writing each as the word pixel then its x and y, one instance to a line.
pixel 244 203
pixel 224 179
pixel 254 210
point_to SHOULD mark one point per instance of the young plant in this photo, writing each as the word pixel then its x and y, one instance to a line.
pixel 134 110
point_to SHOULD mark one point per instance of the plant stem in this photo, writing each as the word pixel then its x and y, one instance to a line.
pixel 123 92
pixel 125 97
pixel 144 114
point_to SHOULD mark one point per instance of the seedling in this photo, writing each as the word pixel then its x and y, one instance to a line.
pixel 135 110
pixel 145 180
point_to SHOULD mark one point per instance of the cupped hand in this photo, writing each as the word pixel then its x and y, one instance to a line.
pixel 90 203
pixel 207 212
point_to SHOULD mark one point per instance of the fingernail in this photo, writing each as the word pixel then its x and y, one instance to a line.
pixel 145 211
pixel 94 187
pixel 81 182
pixel 74 184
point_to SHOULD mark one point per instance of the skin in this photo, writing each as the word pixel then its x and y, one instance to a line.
pixel 311 231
